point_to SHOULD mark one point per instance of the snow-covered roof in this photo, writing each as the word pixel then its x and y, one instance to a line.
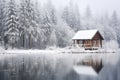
pixel 85 34
pixel 85 70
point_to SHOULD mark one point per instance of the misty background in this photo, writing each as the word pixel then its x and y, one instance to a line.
pixel 27 24
pixel 98 7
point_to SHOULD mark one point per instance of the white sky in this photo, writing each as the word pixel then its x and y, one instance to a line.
pixel 97 6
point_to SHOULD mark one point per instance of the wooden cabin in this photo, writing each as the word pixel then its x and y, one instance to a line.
pixel 89 39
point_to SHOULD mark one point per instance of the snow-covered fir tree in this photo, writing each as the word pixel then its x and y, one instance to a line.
pixel 28 23
pixel 22 22
pixel 71 16
pixel 11 24
pixel 2 17
pixel 88 13
pixel 49 20
pixel 88 22
pixel 115 24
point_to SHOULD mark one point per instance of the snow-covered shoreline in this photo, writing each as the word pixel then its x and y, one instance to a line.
pixel 106 56
pixel 58 50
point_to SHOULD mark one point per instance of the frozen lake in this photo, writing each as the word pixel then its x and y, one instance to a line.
pixel 49 65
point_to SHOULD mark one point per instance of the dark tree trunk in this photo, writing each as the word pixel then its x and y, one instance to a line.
pixel 29 41
pixel 23 41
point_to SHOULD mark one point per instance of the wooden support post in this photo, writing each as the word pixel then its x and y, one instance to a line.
pixel 101 43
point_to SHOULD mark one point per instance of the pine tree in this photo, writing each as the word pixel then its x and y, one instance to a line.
pixel 49 20
pixel 71 16
pixel 2 17
pixel 88 22
pixel 88 13
pixel 22 21
pixel 107 30
pixel 31 24
pixel 11 24
pixel 41 27
pixel 51 12
pixel 28 23
pixel 1 12
pixel 114 24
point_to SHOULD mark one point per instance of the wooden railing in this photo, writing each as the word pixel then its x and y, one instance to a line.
pixel 86 46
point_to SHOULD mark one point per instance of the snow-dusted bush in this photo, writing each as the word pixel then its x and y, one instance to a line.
pixel 1 49
pixel 111 45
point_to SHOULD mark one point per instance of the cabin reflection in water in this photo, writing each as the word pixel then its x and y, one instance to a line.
pixel 97 65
